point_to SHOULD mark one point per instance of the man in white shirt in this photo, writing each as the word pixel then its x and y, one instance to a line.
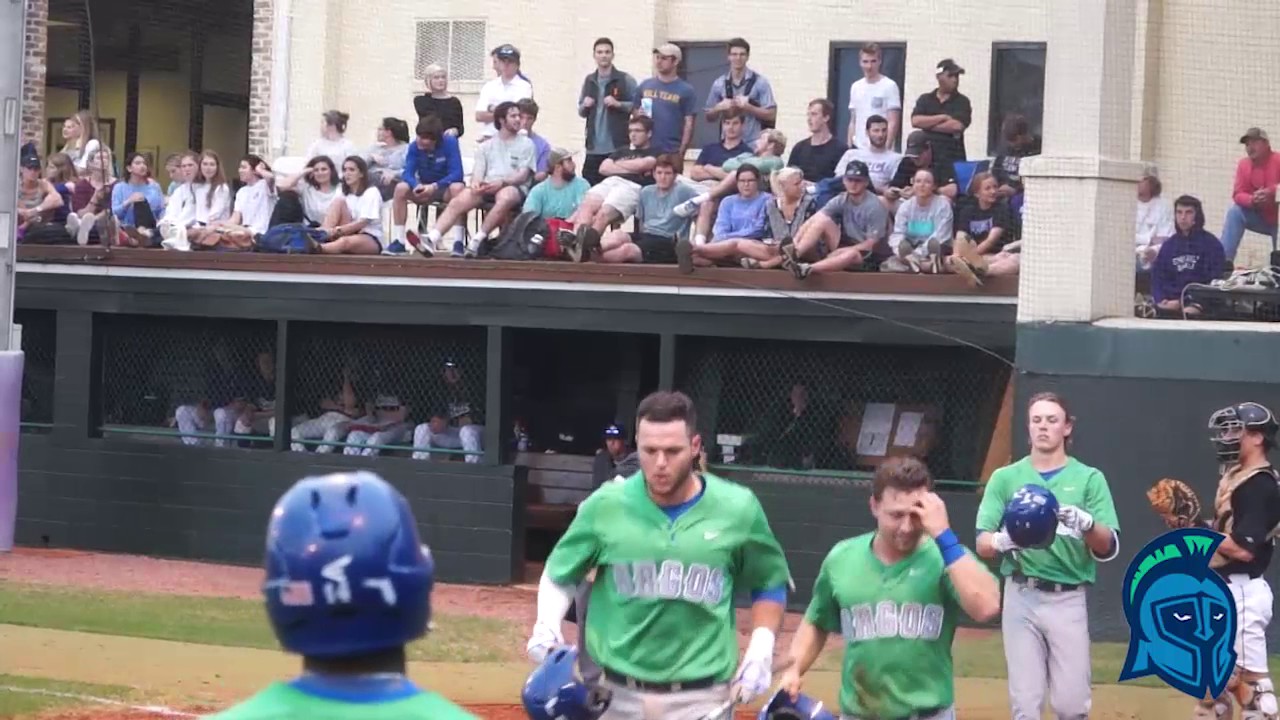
pixel 874 94
pixel 1153 222
pixel 508 86
pixel 882 162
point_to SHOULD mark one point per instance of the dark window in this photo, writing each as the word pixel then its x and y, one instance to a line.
pixel 701 64
pixel 1017 86
pixel 846 69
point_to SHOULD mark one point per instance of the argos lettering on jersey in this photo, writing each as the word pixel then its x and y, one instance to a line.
pixel 887 619
pixel 672 580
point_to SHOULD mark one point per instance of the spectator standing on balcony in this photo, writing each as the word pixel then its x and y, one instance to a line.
pixel 739 229
pixel 848 232
pixel 509 86
pixel 1190 255
pixel 1257 175
pixel 873 94
pixel 669 102
pixel 541 148
pixel 657 225
pixel 333 142
pixel 606 101
pixel 432 174
pixel 80 133
pixel 614 200
pixel 137 202
pixel 984 226
pixel 386 157
pixel 921 227
pixel 944 114
pixel 251 211
pixel 353 224
pixel 708 168
pixel 305 196
pixel 1153 221
pixel 386 426
pixel 744 90
pixel 439 102
pixel 1018 143
pixel 818 154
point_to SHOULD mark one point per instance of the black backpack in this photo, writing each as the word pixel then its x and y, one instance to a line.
pixel 515 243
pixel 746 90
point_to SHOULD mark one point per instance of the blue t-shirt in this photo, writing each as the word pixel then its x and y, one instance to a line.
pixel 716 154
pixel 667 104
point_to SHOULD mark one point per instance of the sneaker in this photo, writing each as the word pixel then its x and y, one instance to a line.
pixel 472 249
pixel 395 248
pixel 749 263
pixel 416 243
pixel 565 238
pixel 789 260
pixel 573 242
pixel 86 229
pixel 459 249
pixel 688 208
pixel 802 270
pixel 590 243
pixel 684 255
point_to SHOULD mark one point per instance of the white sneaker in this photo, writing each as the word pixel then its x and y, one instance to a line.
pixel 688 208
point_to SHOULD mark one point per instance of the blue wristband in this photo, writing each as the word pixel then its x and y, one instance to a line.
pixel 950 546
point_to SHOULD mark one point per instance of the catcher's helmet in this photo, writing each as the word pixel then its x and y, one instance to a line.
pixel 346 572
pixel 1031 517
pixel 554 692
pixel 1228 425
pixel 782 707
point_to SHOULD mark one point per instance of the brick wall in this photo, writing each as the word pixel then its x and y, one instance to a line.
pixel 34 68
pixel 260 78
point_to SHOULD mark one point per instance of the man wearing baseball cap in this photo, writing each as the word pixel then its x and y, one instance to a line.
pixel 847 232
pixel 944 114
pixel 615 458
pixel 1257 175
pixel 510 85
pixel 559 196
pixel 669 101
pixel 920 153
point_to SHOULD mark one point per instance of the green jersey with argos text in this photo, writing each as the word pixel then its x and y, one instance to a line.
pixel 661 605
pixel 1068 559
pixel 897 623
pixel 281 701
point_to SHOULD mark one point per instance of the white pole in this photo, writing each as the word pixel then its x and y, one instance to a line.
pixel 12 29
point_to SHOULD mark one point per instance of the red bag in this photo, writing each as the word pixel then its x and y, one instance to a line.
pixel 551 245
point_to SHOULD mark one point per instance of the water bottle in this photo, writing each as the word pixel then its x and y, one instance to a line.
pixel 537 239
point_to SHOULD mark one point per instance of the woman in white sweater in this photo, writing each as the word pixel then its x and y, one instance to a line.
pixel 354 221
pixel 333 142
pixel 207 198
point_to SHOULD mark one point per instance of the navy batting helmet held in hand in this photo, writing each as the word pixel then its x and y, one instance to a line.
pixel 1031 517
pixel 554 692
pixel 346 572
pixel 782 707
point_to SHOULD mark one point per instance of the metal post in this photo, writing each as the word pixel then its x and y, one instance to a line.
pixel 13 24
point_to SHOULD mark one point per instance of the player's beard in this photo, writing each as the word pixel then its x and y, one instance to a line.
pixel 904 541
pixel 674 486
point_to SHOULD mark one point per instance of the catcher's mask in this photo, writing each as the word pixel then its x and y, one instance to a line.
pixel 1228 425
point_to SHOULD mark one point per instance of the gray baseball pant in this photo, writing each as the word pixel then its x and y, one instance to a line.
pixel 628 704
pixel 1046 647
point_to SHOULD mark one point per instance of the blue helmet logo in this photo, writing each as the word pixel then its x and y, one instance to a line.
pixel 1182 618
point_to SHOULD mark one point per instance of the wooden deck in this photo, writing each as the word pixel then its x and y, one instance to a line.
pixel 333 268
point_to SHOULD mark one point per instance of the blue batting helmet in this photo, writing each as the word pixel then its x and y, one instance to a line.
pixel 782 707
pixel 554 692
pixel 1031 517
pixel 346 572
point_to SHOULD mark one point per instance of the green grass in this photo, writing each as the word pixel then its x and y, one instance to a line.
pixel 225 621
pixel 15 704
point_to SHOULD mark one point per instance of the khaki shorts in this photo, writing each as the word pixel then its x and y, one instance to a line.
pixel 618 193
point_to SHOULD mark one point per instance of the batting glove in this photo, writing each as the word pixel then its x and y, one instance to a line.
pixel 1075 519
pixel 755 675
pixel 543 640
pixel 1003 543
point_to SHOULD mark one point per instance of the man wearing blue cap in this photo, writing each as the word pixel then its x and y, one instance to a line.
pixel 614 459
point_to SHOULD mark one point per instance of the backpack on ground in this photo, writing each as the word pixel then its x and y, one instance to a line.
pixel 290 239
pixel 516 241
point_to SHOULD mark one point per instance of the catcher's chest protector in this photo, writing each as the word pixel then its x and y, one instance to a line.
pixel 1234 477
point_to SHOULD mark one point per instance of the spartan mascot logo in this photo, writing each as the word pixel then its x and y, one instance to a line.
pixel 1182 618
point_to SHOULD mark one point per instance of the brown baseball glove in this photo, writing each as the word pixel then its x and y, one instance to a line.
pixel 1176 503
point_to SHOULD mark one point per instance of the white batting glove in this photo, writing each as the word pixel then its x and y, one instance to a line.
pixel 1075 519
pixel 755 674
pixel 1003 543
pixel 544 639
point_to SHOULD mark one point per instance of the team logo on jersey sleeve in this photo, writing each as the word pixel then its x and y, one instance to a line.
pixel 1181 615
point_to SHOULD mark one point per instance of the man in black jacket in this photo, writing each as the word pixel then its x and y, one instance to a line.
pixel 605 101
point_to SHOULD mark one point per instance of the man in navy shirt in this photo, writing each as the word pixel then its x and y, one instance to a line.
pixel 432 174
pixel 707 167
pixel 669 101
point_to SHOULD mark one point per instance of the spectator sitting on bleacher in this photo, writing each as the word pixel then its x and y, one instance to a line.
pixel 501 177
pixel 37 200
pixel 739 228
pixel 919 155
pixel 558 197
pixel 439 103
pixel 387 156
pixel 848 232
pixel 541 148
pixel 333 142
pixel 766 159
pixel 432 174
pixel 91 198
pixel 208 197
pixel 353 224
pixel 251 212
pixel 657 226
pixel 333 422
pixel 138 203
pixel 983 226
pixel 921 228
pixel 387 426
pixel 707 168
pixel 305 196
pixel 785 215
pixel 177 198
pixel 1254 194
pixel 1190 255
pixel 80 131
pixel 456 425
pixel 614 200
pixel 1018 143
pixel 818 154
pixel 173 170
pixel 882 161
pixel 1153 221
pixel 615 458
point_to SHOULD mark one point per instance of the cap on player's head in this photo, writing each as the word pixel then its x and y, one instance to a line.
pixel 346 573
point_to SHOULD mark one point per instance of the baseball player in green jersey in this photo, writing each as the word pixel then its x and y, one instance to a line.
pixel 893 595
pixel 1045 621
pixel 671 546
pixel 348 584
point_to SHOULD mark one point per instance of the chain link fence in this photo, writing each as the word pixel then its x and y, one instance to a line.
pixel 826 410
pixel 39 347
pixel 204 381
pixel 384 389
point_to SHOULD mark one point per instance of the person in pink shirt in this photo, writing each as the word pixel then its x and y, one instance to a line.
pixel 1254 194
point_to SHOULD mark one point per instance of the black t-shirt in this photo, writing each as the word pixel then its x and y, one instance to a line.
pixel 631 154
pixel 944 173
pixel 1006 166
pixel 978 223
pixel 957 106
pixel 1255 510
pixel 818 162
